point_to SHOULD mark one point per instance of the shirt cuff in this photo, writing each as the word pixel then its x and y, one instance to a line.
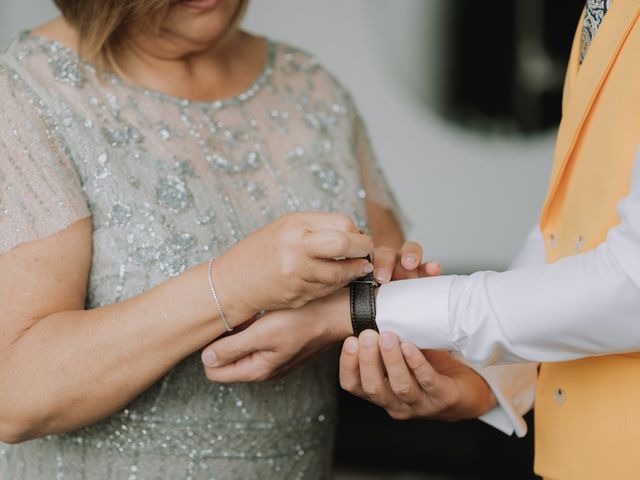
pixel 417 311
pixel 514 387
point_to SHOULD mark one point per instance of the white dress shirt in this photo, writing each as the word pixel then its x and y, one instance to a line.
pixel 584 305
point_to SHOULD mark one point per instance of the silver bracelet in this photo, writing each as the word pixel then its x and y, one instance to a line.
pixel 215 296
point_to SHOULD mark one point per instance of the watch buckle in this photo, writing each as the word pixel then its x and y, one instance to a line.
pixel 367 282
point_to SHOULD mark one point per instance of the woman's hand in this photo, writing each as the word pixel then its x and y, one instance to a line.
pixel 293 260
pixel 279 341
pixel 410 383
pixel 391 264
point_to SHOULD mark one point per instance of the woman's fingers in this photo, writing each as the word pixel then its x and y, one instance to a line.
pixel 411 255
pixel 430 269
pixel 232 348
pixel 251 368
pixel 350 367
pixel 405 264
pixel 384 261
pixel 337 244
pixel 316 221
pixel 338 273
pixel 400 377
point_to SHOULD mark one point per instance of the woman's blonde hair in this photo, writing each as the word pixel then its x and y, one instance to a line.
pixel 102 25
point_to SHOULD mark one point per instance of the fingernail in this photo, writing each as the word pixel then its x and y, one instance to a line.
pixel 209 358
pixel 367 339
pixel 434 267
pixel 406 349
pixel 381 276
pixel 351 345
pixel 368 268
pixel 386 340
pixel 411 259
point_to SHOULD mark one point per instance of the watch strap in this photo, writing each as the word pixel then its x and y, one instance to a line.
pixel 363 304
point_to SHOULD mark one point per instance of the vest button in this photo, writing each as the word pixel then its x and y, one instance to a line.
pixel 559 396
pixel 580 243
pixel 553 242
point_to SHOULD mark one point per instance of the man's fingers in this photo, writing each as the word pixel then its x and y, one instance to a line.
pixel 425 374
pixel 230 348
pixel 350 367
pixel 401 379
pixel 337 244
pixel 384 261
pixel 410 255
pixel 374 383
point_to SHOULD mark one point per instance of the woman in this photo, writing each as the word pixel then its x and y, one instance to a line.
pixel 138 140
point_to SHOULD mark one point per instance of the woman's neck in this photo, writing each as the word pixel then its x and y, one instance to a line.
pixel 199 74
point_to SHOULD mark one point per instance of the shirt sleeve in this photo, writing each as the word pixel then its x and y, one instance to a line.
pixel 532 253
pixel 40 191
pixel 580 306
pixel 514 386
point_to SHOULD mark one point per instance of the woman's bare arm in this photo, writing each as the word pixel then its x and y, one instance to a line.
pixel 384 226
pixel 63 367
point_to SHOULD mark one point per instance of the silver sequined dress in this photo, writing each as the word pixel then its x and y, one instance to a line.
pixel 168 183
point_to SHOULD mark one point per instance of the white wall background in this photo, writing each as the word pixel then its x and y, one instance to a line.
pixel 471 198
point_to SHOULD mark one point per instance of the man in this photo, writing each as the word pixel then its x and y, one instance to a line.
pixel 578 314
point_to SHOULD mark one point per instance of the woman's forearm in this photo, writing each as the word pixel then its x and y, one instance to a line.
pixel 62 367
pixel 385 227
pixel 73 368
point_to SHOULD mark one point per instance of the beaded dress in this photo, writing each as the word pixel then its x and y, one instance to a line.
pixel 168 183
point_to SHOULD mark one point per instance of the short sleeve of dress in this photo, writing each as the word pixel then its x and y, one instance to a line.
pixel 374 180
pixel 40 190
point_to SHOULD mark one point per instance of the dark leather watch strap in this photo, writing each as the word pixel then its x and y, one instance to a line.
pixel 363 304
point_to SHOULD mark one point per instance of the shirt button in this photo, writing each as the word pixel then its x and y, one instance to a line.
pixel 580 243
pixel 559 396
pixel 553 242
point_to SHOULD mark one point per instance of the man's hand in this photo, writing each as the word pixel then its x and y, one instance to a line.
pixel 426 384
pixel 390 264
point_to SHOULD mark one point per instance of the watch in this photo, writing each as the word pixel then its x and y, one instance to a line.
pixel 363 304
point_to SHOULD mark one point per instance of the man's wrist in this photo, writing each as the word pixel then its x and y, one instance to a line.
pixel 338 315
pixel 475 397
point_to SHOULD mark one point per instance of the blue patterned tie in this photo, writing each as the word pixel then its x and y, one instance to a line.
pixel 593 16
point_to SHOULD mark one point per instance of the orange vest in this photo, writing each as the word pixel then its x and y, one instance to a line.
pixel 587 412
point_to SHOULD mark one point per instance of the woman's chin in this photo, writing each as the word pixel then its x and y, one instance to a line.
pixel 201 39
pixel 201 22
